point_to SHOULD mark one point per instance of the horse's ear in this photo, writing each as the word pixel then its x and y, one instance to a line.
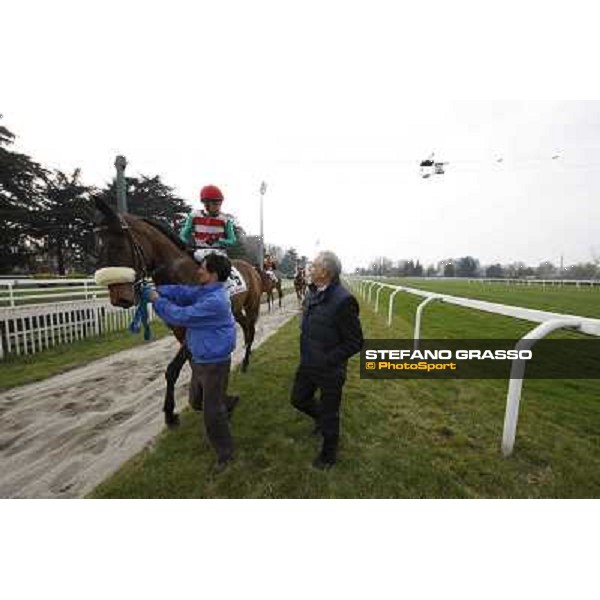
pixel 108 214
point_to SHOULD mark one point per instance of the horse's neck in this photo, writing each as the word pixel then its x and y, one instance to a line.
pixel 169 264
pixel 176 270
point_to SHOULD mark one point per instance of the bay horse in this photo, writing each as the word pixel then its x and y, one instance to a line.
pixel 149 248
pixel 268 285
pixel 300 284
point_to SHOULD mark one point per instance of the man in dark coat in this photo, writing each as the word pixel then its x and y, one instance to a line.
pixel 330 334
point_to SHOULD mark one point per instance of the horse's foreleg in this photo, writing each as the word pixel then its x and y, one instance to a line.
pixel 171 375
pixel 280 293
pixel 242 319
pixel 249 331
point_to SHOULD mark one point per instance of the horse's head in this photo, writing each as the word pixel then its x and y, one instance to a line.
pixel 121 264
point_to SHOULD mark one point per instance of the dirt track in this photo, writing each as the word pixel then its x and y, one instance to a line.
pixel 61 437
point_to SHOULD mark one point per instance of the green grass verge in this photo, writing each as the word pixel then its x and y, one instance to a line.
pixel 19 370
pixel 399 438
pixel 584 301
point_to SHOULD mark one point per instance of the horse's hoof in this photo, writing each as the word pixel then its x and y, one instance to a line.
pixel 244 367
pixel 172 421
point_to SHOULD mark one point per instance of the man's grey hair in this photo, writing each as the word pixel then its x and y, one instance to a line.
pixel 332 264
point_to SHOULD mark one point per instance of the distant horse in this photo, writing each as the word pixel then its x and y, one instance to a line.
pixel 300 284
pixel 268 285
pixel 127 244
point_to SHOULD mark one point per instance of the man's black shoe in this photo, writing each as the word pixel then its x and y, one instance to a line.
pixel 197 404
pixel 222 465
pixel 323 463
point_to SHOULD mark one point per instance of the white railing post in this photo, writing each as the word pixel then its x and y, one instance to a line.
pixel 370 284
pixel 372 290
pixel 417 331
pixel 380 287
pixel 391 305
pixel 11 295
pixel 517 373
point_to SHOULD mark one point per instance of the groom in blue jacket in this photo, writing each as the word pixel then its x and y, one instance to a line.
pixel 205 311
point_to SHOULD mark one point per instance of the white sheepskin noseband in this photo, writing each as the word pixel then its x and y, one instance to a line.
pixel 112 275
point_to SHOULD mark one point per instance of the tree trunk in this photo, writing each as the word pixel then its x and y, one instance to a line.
pixel 60 257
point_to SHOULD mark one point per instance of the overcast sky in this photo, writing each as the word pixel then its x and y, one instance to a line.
pixel 333 105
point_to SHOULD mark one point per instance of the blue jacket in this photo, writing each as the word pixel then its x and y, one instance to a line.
pixel 205 312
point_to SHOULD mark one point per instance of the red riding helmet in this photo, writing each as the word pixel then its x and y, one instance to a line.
pixel 211 192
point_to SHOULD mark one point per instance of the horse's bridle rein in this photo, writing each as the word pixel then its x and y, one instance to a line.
pixel 139 260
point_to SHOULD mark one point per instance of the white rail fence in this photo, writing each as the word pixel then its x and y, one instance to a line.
pixel 577 283
pixel 287 284
pixel 37 314
pixel 544 283
pixel 30 329
pixel 548 322
pixel 16 292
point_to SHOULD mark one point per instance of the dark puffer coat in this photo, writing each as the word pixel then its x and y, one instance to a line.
pixel 330 331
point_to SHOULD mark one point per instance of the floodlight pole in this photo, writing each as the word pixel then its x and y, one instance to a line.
pixel 120 164
pixel 263 189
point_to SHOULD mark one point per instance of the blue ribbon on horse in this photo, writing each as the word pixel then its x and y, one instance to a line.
pixel 140 318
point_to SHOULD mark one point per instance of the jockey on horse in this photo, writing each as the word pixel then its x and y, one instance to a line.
pixel 212 232
pixel 300 270
pixel 300 283
pixel 269 266
pixel 209 229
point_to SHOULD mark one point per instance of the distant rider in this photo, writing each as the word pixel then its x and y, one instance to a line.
pixel 269 266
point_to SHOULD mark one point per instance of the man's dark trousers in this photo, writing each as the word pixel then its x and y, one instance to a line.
pixel 208 391
pixel 325 412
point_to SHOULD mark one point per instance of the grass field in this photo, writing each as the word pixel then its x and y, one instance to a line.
pixel 399 438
